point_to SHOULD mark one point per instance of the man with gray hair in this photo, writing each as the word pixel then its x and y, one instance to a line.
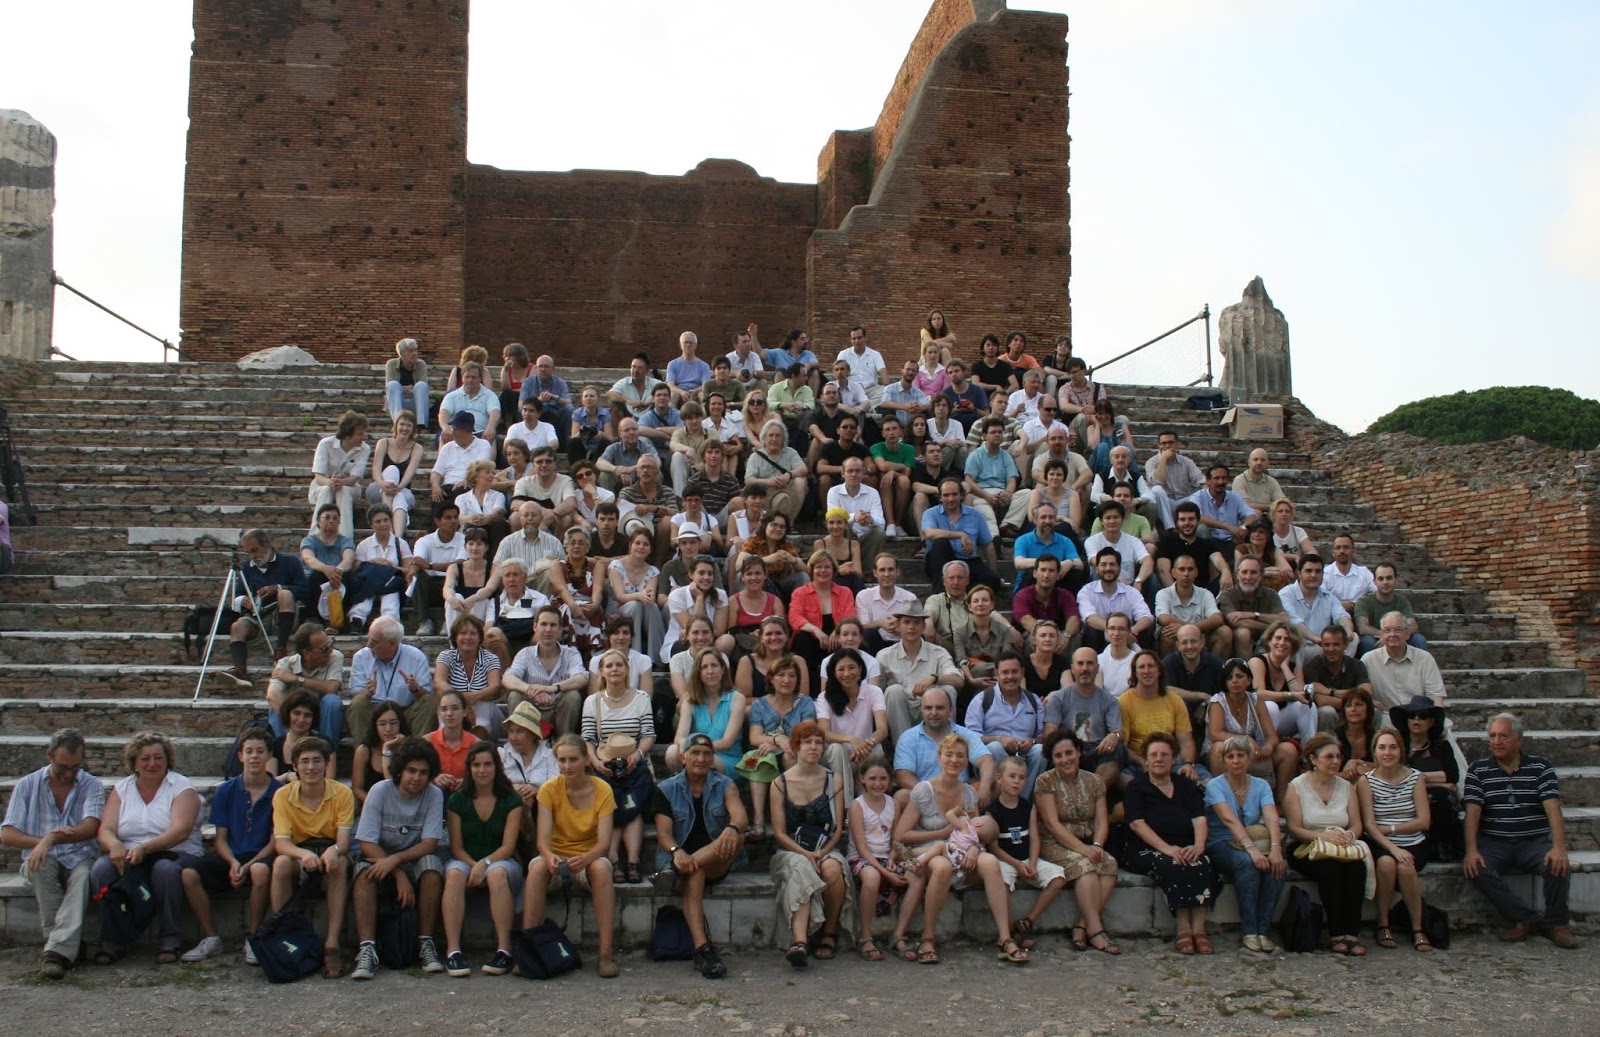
pixel 553 394
pixel 688 372
pixel 405 381
pixel 389 670
pixel 53 817
pixel 648 506
pixel 270 581
pixel 1400 671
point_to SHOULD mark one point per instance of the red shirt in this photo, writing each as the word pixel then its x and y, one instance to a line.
pixel 452 761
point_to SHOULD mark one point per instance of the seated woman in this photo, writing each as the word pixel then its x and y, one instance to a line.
pixel 843 548
pixel 451 740
pixel 816 608
pixel 485 819
pixel 576 811
pixel 473 671
pixel 151 820
pixel 1421 726
pixel 1289 539
pixel 526 758
pixel 578 588
pixel 780 555
pixel 591 430
pixel 711 707
pixel 937 333
pixel 774 464
pixel 753 604
pixel 981 641
pixel 1394 814
pixel 1237 710
pixel 1243 818
pixel 395 461
pixel 620 731
pixel 469 585
pixel 1358 723
pixel 1099 431
pixel 944 428
pixel 1073 827
pixel 518 466
pixel 1056 492
pixel 1045 670
pixel 773 718
pixel 809 872
pixel 1276 570
pixel 482 506
pixel 370 763
pixel 1320 805
pixel 931 376
pixel 632 582
pixel 1280 683
pixel 299 713
pixel 926 828
pixel 1167 814
pixel 619 635
pixel 852 715
pixel 772 644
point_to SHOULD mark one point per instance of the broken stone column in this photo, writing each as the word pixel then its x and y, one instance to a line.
pixel 1254 339
pixel 27 200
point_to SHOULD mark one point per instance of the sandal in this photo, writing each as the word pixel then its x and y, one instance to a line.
pixel 868 950
pixel 1022 932
pixel 1385 938
pixel 929 956
pixel 332 965
pixel 796 955
pixel 1079 938
pixel 631 874
pixel 1357 948
pixel 167 956
pixel 106 956
pixel 903 949
pixel 1184 944
pixel 1340 946
pixel 1010 952
pixel 1104 948
pixel 1202 943
pixel 825 945
pixel 1420 942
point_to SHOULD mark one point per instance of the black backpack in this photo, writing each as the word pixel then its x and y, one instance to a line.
pixel 231 767
pixel 1435 923
pixel 1300 928
pixel 397 937
pixel 670 939
pixel 196 625
pixel 128 906
pixel 287 946
pixel 543 951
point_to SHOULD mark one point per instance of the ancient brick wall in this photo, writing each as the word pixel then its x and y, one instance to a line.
pixel 594 266
pixel 1543 561
pixel 969 208
pixel 323 200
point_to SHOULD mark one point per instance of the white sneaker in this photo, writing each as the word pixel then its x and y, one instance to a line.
pixel 249 954
pixel 426 629
pixel 209 947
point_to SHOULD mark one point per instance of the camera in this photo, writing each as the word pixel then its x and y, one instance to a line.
pixel 617 767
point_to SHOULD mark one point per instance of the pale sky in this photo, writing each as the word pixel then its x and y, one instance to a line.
pixel 1418 183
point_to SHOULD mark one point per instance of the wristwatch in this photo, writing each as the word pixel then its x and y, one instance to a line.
pixel 388 753
pixel 671 850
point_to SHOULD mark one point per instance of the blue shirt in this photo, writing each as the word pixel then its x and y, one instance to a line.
pixel 1002 719
pixel 919 754
pixel 688 375
pixel 765 716
pixel 327 554
pixel 1233 510
pixel 1512 804
pixel 32 811
pixel 991 471
pixel 479 406
pixel 1029 545
pixel 391 675
pixel 653 418
pixel 968 522
pixel 1320 614
pixel 1219 791
pixel 896 393
pixel 780 359
pixel 619 454
pixel 249 827
pixel 533 385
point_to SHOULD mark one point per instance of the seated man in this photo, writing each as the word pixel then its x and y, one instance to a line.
pixel 916 751
pixel 635 392
pixel 1023 405
pixel 1086 708
pixel 910 667
pixel 554 397
pixel 405 382
pixel 793 401
pixel 956 531
pixel 1514 820
pixel 1212 570
pixel 400 831
pixel 53 817
pixel 725 381
pixel 657 423
pixel 389 670
pixel 692 513
pixel 875 605
pixel 648 505
pixel 1078 395
pixel 1137 564
pixel 1344 579
pixel 745 360
pixel 796 349
pixel 431 558
pixel 1045 598
pixel 1171 475
pixel 894 459
pixel 1123 473
pixel 1311 609
pixel 312 822
pixel 619 462
pixel 936 465
pixel 1258 488
pixel 1045 539
pixel 531 544
pixel 822 424
pixel 327 556
pixel 548 673
pixel 1106 594
pixel 315 666
pixel 719 486
pixel 1334 674
pixel 865 507
pixel 546 487
pixel 832 455
pixel 1077 477
pixel 533 431
pixel 700 823
pixel 241 812
pixel 1009 719
pixel 687 372
pixel 1193 673
pixel 1032 437
pixel 1187 604
pixel 271 579
pixel 948 618
pixel 991 476
pixel 968 400
pixel 460 448
pixel 1382 600
pixel 1249 607
pixel 472 399
pixel 903 399
pixel 1116 659
pixel 1222 512
pixel 1400 671
pixel 1133 523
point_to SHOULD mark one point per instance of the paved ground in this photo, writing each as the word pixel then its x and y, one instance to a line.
pixel 1479 986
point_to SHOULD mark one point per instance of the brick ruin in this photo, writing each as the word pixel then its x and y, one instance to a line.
pixel 328 201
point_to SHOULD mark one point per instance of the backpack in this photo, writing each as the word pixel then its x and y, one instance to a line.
pixel 1435 923
pixel 1300 928
pixel 397 937
pixel 670 939
pixel 197 624
pixel 286 945
pixel 127 906
pixel 543 951
pixel 231 767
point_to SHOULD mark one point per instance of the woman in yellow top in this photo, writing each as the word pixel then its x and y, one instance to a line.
pixel 574 829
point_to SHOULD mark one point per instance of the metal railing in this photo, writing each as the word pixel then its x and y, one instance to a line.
pixel 166 346
pixel 1175 360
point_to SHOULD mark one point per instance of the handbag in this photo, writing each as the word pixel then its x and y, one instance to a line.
pixel 1327 850
pixel 286 945
pixel 127 906
pixel 810 837
pixel 1258 835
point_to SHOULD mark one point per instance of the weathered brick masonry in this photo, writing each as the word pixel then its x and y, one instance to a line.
pixel 328 201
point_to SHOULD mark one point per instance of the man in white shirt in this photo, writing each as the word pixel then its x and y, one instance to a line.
pixel 445 482
pixel 867 371
pixel 1023 405
pixel 533 432
pixel 852 398
pixel 1344 579
pixel 745 361
pixel 1031 440
pixel 1137 563
pixel 864 505
pixel 875 605
pixel 472 398
pixel 634 392
pixel 430 558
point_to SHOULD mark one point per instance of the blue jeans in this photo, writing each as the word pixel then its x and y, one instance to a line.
pixel 1525 855
pixel 1368 642
pixel 1035 760
pixel 1257 891
pixel 330 724
pixel 396 395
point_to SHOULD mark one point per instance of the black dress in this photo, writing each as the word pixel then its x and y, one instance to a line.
pixel 1172 820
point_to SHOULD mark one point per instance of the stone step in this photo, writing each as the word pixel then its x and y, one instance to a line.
pixel 1580 786
pixel 110 717
pixel 1583 826
pixel 133 562
pixel 20 754
pixel 1488 654
pixel 91 618
pixel 104 589
pixel 1457 627
pixel 1514 683
pixel 1560 747
pixel 1447 599
pixel 1567 713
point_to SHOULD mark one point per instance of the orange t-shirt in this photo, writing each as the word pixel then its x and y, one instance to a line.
pixel 452 761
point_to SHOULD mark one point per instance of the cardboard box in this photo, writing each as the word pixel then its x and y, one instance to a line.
pixel 1255 421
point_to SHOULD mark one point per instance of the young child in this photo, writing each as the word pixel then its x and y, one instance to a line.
pixel 879 876
pixel 1016 846
pixel 962 845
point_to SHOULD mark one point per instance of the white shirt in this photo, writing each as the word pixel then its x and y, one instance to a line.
pixel 1114 672
pixel 731 426
pixel 749 365
pixel 871 608
pixel 1348 586
pixel 864 367
pixel 434 551
pixel 1202 605
pixel 1129 547
pixel 542 434
pixel 1029 405
pixel 492 501
pixel 953 433
pixel 396 550
pixel 334 461
pixel 852 395
pixel 682 600
pixel 1035 430
pixel 707 523
pixel 864 499
pixel 451 464
pixel 558 491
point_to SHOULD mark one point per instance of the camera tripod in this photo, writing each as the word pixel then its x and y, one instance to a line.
pixel 233 586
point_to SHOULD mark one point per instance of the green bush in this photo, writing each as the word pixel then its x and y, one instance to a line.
pixel 1554 417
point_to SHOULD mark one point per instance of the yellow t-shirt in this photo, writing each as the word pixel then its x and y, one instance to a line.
pixel 575 831
pixel 289 818
pixel 1142 717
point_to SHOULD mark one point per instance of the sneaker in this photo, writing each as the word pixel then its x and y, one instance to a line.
pixel 1265 945
pixel 427 629
pixel 456 965
pixel 209 947
pixel 428 955
pixel 607 969
pixel 240 676
pixel 665 880
pixel 250 954
pixel 709 962
pixel 366 962
pixel 498 965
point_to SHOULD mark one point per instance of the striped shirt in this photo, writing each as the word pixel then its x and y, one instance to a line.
pixel 478 679
pixel 601 720
pixel 1394 803
pixel 1512 804
pixel 32 811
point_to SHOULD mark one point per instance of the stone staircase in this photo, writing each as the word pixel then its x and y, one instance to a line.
pixel 144 476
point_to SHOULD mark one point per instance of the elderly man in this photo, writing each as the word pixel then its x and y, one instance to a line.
pixel 430 559
pixel 53 817
pixel 1087 709
pixel 1223 512
pixel 531 544
pixel 875 605
pixel 991 476
pixel 389 670
pixel 916 752
pixel 956 531
pixel 700 825
pixel 1107 594
pixel 1258 488
pixel 619 462
pixel 1184 604
pixel 1171 474
pixel 1123 473
pixel 1311 609
pixel 862 503
pixel 1249 607
pixel 548 673
pixel 636 390
pixel 1046 598
pixel 405 382
pixel 948 618
pixel 909 667
pixel 1023 405
pixel 270 581
pixel 472 398
pixel 448 478
pixel 1400 671
pixel 315 666
pixel 1009 718
pixel 1035 433
pixel 648 505
pixel 1514 820
pixel 688 372
pixel 553 395
pixel 1372 607
pixel 1344 579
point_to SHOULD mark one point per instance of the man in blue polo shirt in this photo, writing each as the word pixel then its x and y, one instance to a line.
pixel 1043 539
pixel 992 476
pixel 955 531
pixel 916 751
pixel 688 372
pixel 1223 513
pixel 1514 821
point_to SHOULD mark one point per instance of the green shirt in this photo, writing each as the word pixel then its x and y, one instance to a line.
pixel 906 455
pixel 1370 608
pixel 480 838
pixel 1133 524
pixel 779 395
pixel 732 390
